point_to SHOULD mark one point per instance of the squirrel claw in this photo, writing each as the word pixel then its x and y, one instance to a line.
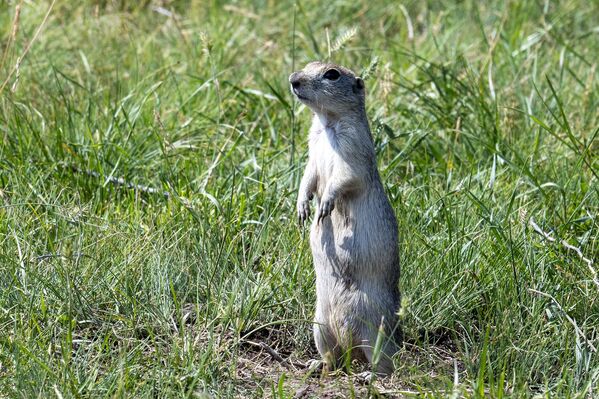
pixel 325 209
pixel 303 212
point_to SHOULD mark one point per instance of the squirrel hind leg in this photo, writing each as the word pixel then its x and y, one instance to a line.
pixel 384 365
pixel 328 347
pixel 384 357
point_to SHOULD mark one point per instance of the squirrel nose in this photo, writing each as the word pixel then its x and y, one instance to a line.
pixel 294 79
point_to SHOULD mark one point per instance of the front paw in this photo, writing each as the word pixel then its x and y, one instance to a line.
pixel 303 211
pixel 327 205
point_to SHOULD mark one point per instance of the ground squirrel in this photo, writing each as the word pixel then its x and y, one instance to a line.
pixel 354 238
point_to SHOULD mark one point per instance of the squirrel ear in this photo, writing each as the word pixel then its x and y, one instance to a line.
pixel 359 85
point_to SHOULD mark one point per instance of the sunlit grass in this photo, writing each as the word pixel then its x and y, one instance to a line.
pixel 485 123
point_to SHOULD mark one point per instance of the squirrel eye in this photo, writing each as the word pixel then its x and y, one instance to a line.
pixel 331 74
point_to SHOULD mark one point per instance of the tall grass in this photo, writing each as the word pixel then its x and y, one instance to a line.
pixel 486 128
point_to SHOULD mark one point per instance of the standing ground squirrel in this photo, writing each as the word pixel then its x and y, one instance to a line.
pixel 354 237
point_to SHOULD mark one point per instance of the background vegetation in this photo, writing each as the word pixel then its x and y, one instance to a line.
pixel 150 154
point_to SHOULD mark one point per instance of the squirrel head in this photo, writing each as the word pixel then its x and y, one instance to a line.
pixel 328 88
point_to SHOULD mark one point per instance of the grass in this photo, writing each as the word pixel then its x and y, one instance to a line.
pixel 486 126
